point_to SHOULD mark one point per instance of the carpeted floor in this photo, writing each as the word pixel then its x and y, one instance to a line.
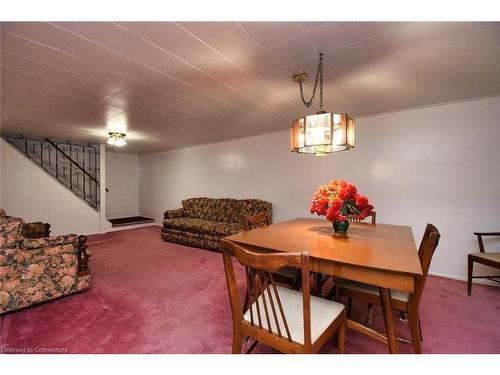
pixel 149 296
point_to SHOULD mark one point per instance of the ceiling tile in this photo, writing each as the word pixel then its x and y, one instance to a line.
pixel 485 40
pixel 434 31
pixel 482 65
pixel 475 74
pixel 138 28
pixel 71 26
pixel 453 48
pixel 353 85
pixel 88 51
pixel 480 26
pixel 395 52
pixel 50 56
pixel 493 87
pixel 238 46
pixel 467 86
pixel 402 42
pixel 37 52
pixel 432 90
pixel 309 66
pixel 263 66
pixel 306 26
pixel 49 84
pixel 13 85
pixel 268 34
pixel 348 60
pixel 171 37
pixel 369 103
pixel 432 66
pixel 335 35
pixel 41 32
pixel 293 50
pixel 400 96
pixel 207 31
pixel 22 63
pixel 371 29
pixel 109 35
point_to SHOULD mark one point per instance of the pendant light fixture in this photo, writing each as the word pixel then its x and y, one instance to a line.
pixel 323 132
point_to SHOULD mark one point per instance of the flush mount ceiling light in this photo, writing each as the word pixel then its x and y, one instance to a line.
pixel 117 139
pixel 323 132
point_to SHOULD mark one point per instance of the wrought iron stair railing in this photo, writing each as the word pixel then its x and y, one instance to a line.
pixel 76 166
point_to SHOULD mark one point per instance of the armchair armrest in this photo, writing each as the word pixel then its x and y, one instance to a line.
pixel 36 230
pixel 480 238
pixel 35 243
pixel 79 243
pixel 83 256
pixel 173 214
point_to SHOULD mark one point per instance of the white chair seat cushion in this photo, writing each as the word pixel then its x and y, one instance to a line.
pixel 323 313
pixel 370 289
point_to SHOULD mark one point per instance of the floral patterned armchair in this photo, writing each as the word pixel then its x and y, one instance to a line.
pixel 35 268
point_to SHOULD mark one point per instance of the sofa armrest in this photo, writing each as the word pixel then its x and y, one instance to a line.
pixel 36 230
pixel 35 243
pixel 173 214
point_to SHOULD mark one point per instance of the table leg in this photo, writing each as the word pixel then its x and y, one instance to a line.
pixel 390 329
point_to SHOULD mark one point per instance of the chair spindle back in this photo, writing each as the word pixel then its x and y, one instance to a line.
pixel 262 291
pixel 373 216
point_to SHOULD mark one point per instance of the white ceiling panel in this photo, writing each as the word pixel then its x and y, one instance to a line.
pixel 180 84
pixel 268 34
pixel 334 35
pixel 293 51
pixel 371 29
pixel 485 40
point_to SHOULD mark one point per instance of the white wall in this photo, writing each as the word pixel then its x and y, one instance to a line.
pixel 30 193
pixel 437 164
pixel 122 181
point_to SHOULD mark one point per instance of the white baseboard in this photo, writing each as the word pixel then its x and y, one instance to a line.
pixel 461 278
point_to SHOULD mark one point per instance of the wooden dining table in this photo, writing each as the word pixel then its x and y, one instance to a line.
pixel 377 254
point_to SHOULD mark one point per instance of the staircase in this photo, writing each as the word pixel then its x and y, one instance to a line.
pixel 76 166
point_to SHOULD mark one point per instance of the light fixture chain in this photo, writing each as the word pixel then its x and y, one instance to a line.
pixel 320 69
pixel 319 77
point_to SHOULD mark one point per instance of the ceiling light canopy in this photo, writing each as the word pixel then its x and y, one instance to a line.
pixel 117 139
pixel 323 132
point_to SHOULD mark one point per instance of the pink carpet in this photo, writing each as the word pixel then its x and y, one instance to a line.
pixel 149 296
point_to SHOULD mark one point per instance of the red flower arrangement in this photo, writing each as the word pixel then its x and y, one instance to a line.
pixel 339 199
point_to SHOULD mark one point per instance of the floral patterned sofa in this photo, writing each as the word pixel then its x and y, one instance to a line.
pixel 35 268
pixel 203 222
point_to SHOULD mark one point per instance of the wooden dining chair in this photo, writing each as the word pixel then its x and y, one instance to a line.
pixel 372 216
pixel 489 259
pixel 256 221
pixel 282 318
pixel 289 276
pixel 407 303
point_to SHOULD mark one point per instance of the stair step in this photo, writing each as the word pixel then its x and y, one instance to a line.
pixel 130 220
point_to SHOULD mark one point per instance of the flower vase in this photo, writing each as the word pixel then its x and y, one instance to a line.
pixel 340 227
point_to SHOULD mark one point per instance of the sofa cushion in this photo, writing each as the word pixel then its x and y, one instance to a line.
pixel 203 240
pixel 222 210
pixel 196 225
pixel 256 206
pixel 10 231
